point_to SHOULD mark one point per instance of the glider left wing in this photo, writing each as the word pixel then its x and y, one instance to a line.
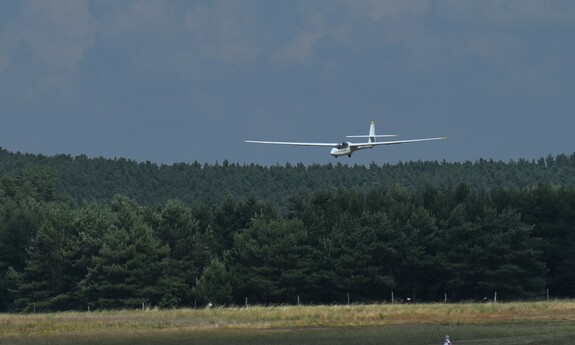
pixel 291 143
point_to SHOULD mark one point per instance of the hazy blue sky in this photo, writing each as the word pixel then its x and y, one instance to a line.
pixel 178 81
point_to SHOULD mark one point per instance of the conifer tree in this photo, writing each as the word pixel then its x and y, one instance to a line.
pixel 270 260
pixel 214 286
pixel 48 280
pixel 130 264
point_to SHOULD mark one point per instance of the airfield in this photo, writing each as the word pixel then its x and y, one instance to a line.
pixel 547 322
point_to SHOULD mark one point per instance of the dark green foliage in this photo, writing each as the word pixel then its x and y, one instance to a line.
pixel 49 278
pixel 24 200
pixel 270 260
pixel 190 250
pixel 497 253
pixel 320 233
pixel 551 211
pixel 89 179
pixel 215 285
pixel 128 269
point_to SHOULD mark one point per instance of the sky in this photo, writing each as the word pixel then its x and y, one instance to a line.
pixel 184 81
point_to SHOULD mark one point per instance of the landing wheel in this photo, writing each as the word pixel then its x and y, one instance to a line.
pixel 349 155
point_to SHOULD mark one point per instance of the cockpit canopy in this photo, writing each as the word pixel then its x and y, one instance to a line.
pixel 343 145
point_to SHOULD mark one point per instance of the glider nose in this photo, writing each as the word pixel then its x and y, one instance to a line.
pixel 334 152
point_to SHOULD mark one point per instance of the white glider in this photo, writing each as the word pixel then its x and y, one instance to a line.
pixel 347 148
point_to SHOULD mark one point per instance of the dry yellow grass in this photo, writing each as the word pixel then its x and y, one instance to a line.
pixel 258 318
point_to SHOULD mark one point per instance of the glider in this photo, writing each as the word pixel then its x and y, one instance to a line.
pixel 347 148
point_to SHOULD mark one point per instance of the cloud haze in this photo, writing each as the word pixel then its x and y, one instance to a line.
pixel 170 81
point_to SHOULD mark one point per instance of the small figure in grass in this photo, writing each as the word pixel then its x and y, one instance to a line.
pixel 447 341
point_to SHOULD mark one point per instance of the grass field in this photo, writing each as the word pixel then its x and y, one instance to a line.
pixel 503 323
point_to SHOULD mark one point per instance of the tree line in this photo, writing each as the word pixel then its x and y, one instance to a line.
pixel 100 179
pixel 60 254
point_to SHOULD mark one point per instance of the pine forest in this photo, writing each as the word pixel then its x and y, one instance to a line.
pixel 79 232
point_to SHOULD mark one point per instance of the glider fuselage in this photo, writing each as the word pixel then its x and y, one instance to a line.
pixel 345 149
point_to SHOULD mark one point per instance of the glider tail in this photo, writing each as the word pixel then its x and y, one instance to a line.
pixel 372 136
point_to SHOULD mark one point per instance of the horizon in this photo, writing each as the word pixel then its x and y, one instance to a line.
pixel 335 162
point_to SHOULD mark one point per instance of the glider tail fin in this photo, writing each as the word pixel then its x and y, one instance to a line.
pixel 372 136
